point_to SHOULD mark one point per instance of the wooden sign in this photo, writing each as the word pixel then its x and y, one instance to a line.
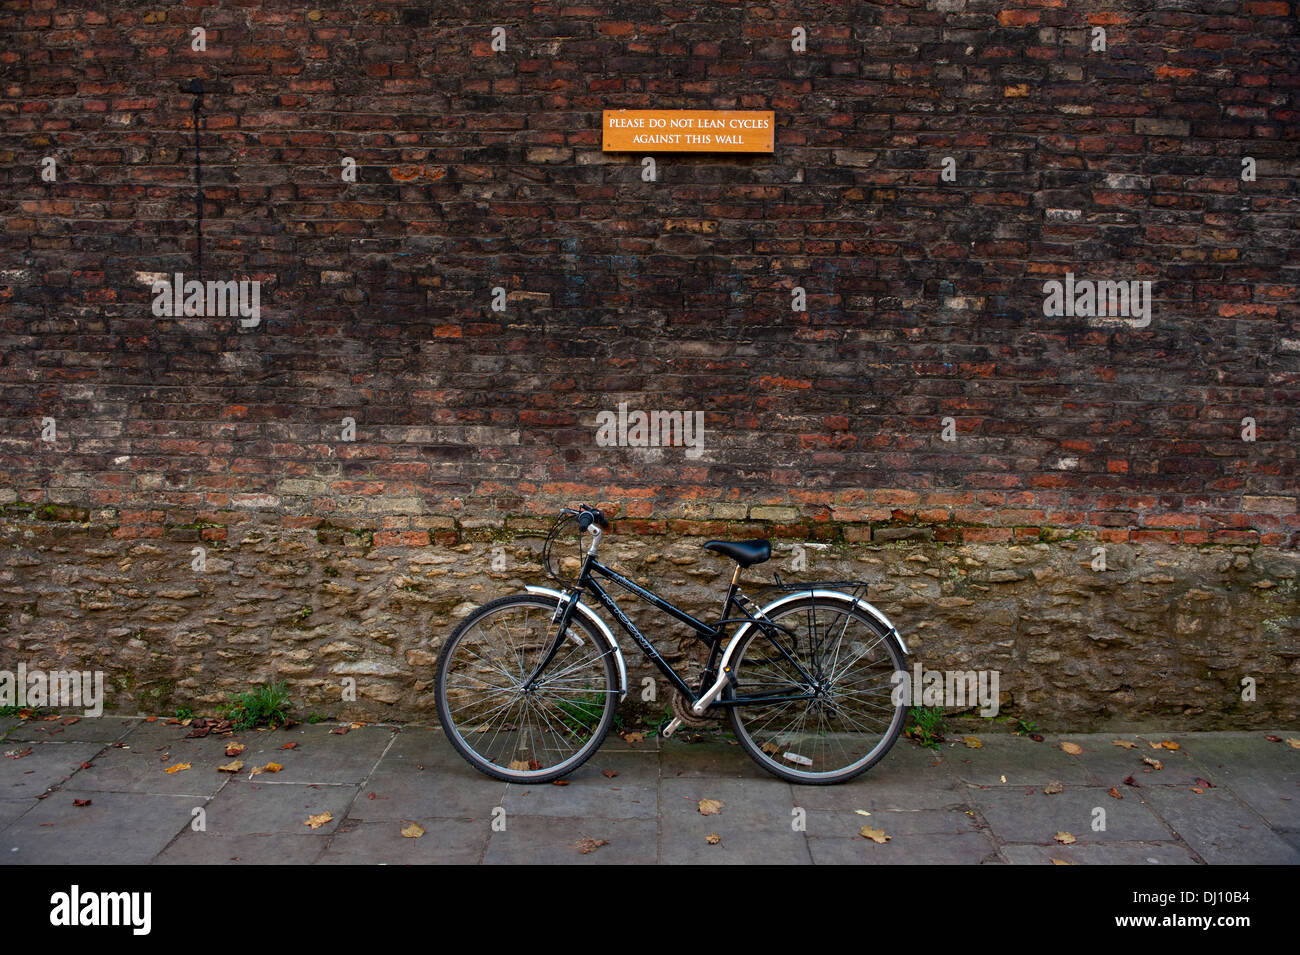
pixel 689 130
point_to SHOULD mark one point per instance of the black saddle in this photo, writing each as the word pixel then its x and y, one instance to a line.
pixel 744 553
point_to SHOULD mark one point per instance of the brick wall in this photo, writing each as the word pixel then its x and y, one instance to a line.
pixel 480 168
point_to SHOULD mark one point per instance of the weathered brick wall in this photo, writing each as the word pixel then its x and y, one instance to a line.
pixel 479 169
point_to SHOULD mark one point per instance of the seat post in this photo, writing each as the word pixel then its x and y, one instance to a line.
pixel 735 577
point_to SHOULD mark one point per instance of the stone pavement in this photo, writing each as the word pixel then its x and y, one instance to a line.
pixel 961 805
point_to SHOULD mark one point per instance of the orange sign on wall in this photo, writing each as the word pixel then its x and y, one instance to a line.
pixel 689 130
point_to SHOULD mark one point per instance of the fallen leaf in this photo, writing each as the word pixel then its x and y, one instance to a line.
pixel 413 831
pixel 711 807
pixel 634 737
pixel 272 767
pixel 1074 749
pixel 198 732
pixel 234 749
pixel 1273 739
pixel 289 746
pixel 356 726
pixel 1154 744
pixel 68 722
pixel 862 812
pixel 771 748
pixel 1036 737
pixel 1153 763
pixel 1116 793
pixel 231 767
pixel 151 719
pixel 1127 744
pixel 609 773
pixel 972 742
pixel 587 845
pixel 1198 790
pixel 519 765
pixel 1056 861
pixel 18 753
pixel 1052 788
pixel 178 768
pixel 1204 782
pixel 1003 778
pixel 1130 781
pixel 1293 743
pixel 560 782
pixel 875 835
pixel 318 820
pixel 1064 838
pixel 339 730
pixel 713 838
pixel 81 802
pixel 1169 744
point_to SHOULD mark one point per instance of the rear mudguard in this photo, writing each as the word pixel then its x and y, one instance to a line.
pixel 833 596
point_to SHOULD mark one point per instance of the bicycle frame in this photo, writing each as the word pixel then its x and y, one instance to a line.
pixel 713 635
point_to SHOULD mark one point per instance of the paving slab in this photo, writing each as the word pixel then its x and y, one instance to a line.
pixel 11 809
pixel 1220 828
pixel 266 808
pixel 209 848
pixel 48 764
pixel 1015 761
pixel 140 763
pixel 893 822
pixel 421 776
pixel 1110 765
pixel 712 756
pixel 86 729
pixel 1262 774
pixel 546 840
pixel 126 828
pixel 909 777
pixel 966 848
pixel 633 793
pixel 1018 815
pixel 1116 853
pixel 756 822
pixel 445 842
pixel 321 756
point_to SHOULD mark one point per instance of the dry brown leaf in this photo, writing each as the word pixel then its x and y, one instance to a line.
pixel 231 767
pixel 1198 790
pixel 1052 788
pixel 82 802
pixel 710 807
pixel 356 726
pixel 234 749
pixel 713 838
pixel 1127 744
pixel 289 746
pixel 519 765
pixel 413 831
pixel 1293 743
pixel 318 820
pixel 1056 861
pixel 587 845
pixel 178 768
pixel 1116 793
pixel 272 768
pixel 18 753
pixel 771 748
pixel 1153 763
pixel 634 737
pixel 875 835
pixel 972 742
pixel 1169 744
pixel 1064 838
pixel 1074 749
pixel 609 773
pixel 1154 744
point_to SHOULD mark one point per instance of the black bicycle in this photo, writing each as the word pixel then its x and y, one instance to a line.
pixel 527 685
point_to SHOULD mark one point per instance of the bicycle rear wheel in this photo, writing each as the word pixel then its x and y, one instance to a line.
pixel 510 732
pixel 847 660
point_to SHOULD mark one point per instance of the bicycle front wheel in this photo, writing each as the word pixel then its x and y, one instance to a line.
pixel 501 726
pixel 832 666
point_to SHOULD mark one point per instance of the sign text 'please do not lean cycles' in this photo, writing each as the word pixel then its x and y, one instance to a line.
pixel 688 130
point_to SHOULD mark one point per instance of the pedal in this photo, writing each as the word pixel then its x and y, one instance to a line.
pixel 671 728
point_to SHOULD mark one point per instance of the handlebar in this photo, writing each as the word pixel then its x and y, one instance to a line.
pixel 588 515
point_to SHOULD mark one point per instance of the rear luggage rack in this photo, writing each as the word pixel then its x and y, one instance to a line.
pixel 855 588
